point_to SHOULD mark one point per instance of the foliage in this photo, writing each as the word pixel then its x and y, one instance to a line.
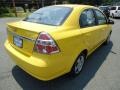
pixel 4 10
pixel 93 2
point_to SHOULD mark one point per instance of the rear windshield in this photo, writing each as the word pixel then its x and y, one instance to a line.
pixel 113 8
pixel 52 15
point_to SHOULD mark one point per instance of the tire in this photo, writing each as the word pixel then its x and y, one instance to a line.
pixel 107 40
pixel 113 15
pixel 78 65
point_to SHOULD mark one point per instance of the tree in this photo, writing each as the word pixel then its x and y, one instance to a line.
pixel 90 2
pixel 14 7
pixel 107 1
pixel 37 2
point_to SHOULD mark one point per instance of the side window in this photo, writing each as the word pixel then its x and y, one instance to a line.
pixel 113 8
pixel 100 17
pixel 87 18
pixel 118 8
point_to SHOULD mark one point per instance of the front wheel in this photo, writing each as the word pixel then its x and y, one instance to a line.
pixel 78 65
pixel 113 15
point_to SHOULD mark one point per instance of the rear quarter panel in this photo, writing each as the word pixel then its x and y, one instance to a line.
pixel 71 43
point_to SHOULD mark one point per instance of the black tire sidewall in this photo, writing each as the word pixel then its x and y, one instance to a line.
pixel 73 67
pixel 106 42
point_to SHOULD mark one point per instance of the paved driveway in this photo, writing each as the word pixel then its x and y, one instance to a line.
pixel 101 70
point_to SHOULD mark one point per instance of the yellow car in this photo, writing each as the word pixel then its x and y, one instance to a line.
pixel 56 40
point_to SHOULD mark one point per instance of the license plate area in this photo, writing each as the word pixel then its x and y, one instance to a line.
pixel 18 41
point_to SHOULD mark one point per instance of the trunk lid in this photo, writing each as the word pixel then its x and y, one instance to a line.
pixel 22 35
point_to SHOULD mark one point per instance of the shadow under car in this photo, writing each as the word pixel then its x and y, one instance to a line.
pixel 65 82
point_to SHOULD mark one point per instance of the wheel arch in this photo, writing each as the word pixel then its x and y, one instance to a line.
pixel 85 51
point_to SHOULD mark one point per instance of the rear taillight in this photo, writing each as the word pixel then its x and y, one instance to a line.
pixel 45 44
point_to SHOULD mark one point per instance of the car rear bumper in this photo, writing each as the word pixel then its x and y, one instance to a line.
pixel 36 67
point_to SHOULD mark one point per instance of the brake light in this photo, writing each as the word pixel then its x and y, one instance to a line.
pixel 45 44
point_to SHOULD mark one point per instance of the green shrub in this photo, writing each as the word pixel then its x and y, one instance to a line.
pixel 5 10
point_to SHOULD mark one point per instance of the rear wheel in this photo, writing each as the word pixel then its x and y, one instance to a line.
pixel 108 39
pixel 78 65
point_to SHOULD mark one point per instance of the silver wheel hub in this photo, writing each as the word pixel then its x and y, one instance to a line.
pixel 79 64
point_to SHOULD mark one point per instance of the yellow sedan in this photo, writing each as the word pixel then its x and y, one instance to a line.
pixel 56 40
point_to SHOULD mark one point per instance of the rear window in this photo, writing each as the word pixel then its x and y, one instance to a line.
pixel 52 15
pixel 113 8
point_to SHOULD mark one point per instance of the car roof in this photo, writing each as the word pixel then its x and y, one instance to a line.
pixel 115 6
pixel 103 6
pixel 74 5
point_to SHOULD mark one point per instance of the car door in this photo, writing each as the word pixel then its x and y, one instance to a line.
pixel 119 11
pixel 112 11
pixel 102 24
pixel 91 33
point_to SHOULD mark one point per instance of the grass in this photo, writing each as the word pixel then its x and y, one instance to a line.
pixel 19 14
pixel 7 15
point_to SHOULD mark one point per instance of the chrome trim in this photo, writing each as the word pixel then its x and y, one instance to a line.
pixel 22 37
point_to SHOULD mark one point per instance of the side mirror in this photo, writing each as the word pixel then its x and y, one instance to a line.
pixel 110 21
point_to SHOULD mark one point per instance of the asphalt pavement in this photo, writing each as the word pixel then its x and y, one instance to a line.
pixel 100 72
